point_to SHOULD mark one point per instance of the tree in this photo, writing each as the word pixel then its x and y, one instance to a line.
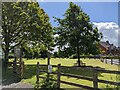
pixel 25 24
pixel 75 31
pixel 14 21
pixel 42 35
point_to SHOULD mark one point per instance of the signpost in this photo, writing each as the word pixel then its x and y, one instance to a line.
pixel 49 68
pixel 17 52
pixel 17 56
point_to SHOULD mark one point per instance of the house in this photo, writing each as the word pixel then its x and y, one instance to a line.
pixel 107 48
pixel 104 47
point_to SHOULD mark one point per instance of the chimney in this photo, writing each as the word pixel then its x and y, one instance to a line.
pixel 107 42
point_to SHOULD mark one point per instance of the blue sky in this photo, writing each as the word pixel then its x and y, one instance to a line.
pixel 98 11
pixel 104 15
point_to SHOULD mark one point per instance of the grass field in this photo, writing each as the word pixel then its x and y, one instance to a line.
pixel 30 71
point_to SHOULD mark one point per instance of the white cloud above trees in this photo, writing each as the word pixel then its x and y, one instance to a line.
pixel 109 30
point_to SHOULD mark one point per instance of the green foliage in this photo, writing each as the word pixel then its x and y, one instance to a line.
pixel 45 84
pixel 76 32
pixel 26 24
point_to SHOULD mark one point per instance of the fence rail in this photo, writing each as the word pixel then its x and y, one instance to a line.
pixel 111 61
pixel 101 57
pixel 93 79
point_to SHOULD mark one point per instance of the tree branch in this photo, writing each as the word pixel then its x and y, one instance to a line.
pixel 17 44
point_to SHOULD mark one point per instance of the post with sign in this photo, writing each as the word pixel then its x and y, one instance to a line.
pixel 17 52
pixel 17 55
pixel 49 68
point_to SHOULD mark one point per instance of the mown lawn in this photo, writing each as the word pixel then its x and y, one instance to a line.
pixel 30 71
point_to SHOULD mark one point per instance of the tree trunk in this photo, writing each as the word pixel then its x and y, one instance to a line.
pixel 78 55
pixel 6 58
pixel 6 38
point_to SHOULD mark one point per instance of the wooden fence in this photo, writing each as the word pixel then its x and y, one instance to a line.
pixel 93 79
pixel 111 61
pixel 18 68
pixel 106 59
pixel 101 57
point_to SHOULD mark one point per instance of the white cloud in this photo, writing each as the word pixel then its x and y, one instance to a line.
pixel 109 30
pixel 42 0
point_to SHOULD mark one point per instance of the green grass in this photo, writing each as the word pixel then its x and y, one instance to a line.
pixel 30 71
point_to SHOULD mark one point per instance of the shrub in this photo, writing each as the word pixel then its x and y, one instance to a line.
pixel 46 84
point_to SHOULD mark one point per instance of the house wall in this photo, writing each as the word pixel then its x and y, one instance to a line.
pixel 103 49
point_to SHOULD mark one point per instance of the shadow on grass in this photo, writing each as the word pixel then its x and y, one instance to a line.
pixel 8 77
pixel 81 71
pixel 30 71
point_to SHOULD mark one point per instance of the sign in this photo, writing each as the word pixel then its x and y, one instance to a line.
pixel 49 68
pixel 17 52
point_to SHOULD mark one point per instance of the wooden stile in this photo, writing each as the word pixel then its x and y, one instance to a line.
pixel 95 79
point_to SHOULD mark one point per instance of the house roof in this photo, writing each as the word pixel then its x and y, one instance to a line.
pixel 105 44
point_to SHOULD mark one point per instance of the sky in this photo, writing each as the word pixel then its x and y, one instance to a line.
pixel 98 11
pixel 75 0
pixel 104 15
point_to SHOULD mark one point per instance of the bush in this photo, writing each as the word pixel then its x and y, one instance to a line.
pixel 46 85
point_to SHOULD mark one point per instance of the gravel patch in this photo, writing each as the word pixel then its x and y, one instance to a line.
pixel 18 86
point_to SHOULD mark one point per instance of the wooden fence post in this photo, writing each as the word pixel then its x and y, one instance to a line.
pixel 37 73
pixel 20 54
pixel 58 76
pixel 106 61
pixel 119 61
pixel 95 79
pixel 14 67
pixel 22 69
pixel 48 63
pixel 111 61
pixel 19 71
